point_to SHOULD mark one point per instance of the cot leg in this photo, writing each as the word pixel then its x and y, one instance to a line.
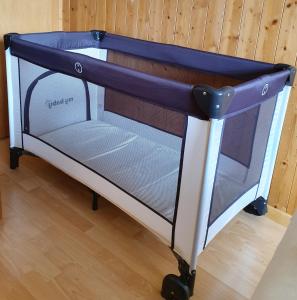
pixel 257 207
pixel 95 201
pixel 15 154
pixel 179 287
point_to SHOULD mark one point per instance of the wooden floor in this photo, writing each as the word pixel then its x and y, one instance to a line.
pixel 54 247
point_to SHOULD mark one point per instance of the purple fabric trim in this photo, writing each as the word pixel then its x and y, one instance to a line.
pixel 167 93
pixel 172 54
pixel 62 40
pixel 249 94
pixel 44 49
pixel 190 58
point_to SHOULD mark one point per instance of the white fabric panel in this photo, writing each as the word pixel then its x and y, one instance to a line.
pixel 195 154
pixel 273 142
pixel 57 100
pixel 92 52
pixel 145 169
pixel 13 91
pixel 56 88
pixel 132 207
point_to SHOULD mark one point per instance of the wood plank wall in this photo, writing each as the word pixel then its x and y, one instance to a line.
pixel 24 16
pixel 256 29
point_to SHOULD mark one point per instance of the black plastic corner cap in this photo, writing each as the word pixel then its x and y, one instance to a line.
pixel 213 102
pixel 292 70
pixel 98 35
pixel 7 39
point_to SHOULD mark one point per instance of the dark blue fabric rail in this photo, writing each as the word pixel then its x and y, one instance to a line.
pixel 47 50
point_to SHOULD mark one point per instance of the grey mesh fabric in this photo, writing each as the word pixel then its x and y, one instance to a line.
pixel 146 169
pixel 140 159
pixel 240 165
pixel 56 101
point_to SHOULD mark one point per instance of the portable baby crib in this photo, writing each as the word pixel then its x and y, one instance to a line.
pixel 179 139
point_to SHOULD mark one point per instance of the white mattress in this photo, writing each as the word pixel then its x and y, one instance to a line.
pixel 142 167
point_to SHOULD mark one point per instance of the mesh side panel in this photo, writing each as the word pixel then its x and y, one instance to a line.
pixel 136 109
pixel 136 156
pixel 241 157
pixel 53 100
pixel 170 71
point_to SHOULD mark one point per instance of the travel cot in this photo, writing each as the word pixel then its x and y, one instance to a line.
pixel 179 139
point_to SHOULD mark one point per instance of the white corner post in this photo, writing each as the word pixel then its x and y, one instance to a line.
pixel 198 174
pixel 14 101
pixel 273 142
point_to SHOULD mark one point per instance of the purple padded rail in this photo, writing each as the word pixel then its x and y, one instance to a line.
pixel 47 50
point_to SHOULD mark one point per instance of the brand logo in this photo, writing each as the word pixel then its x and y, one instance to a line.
pixel 52 103
pixel 78 67
pixel 265 89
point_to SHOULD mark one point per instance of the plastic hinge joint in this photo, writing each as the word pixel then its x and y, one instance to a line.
pixel 292 70
pixel 98 35
pixel 213 102
pixel 7 39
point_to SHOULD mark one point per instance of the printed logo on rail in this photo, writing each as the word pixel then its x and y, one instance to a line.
pixel 265 89
pixel 78 67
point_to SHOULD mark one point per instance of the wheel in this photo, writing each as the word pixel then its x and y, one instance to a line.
pixel 257 207
pixel 174 289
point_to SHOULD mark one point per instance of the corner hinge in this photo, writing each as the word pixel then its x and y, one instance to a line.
pixel 213 102
pixel 292 70
pixel 98 35
pixel 7 39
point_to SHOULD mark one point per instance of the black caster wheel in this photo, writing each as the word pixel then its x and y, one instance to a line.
pixel 174 289
pixel 257 207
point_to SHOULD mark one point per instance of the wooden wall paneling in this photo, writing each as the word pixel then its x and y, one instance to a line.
pixel 169 21
pixel 250 28
pixel 231 27
pixel 100 14
pixel 57 14
pixel 269 30
pixel 285 169
pixel 132 16
pixel 155 20
pixel 120 18
pixel 183 20
pixel 143 19
pixel 74 22
pixel 198 23
pixel 287 42
pixel 66 15
pixel 92 8
pixel 110 15
pixel 79 17
pixel 213 30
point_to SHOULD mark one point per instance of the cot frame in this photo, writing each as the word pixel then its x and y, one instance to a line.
pixel 189 234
